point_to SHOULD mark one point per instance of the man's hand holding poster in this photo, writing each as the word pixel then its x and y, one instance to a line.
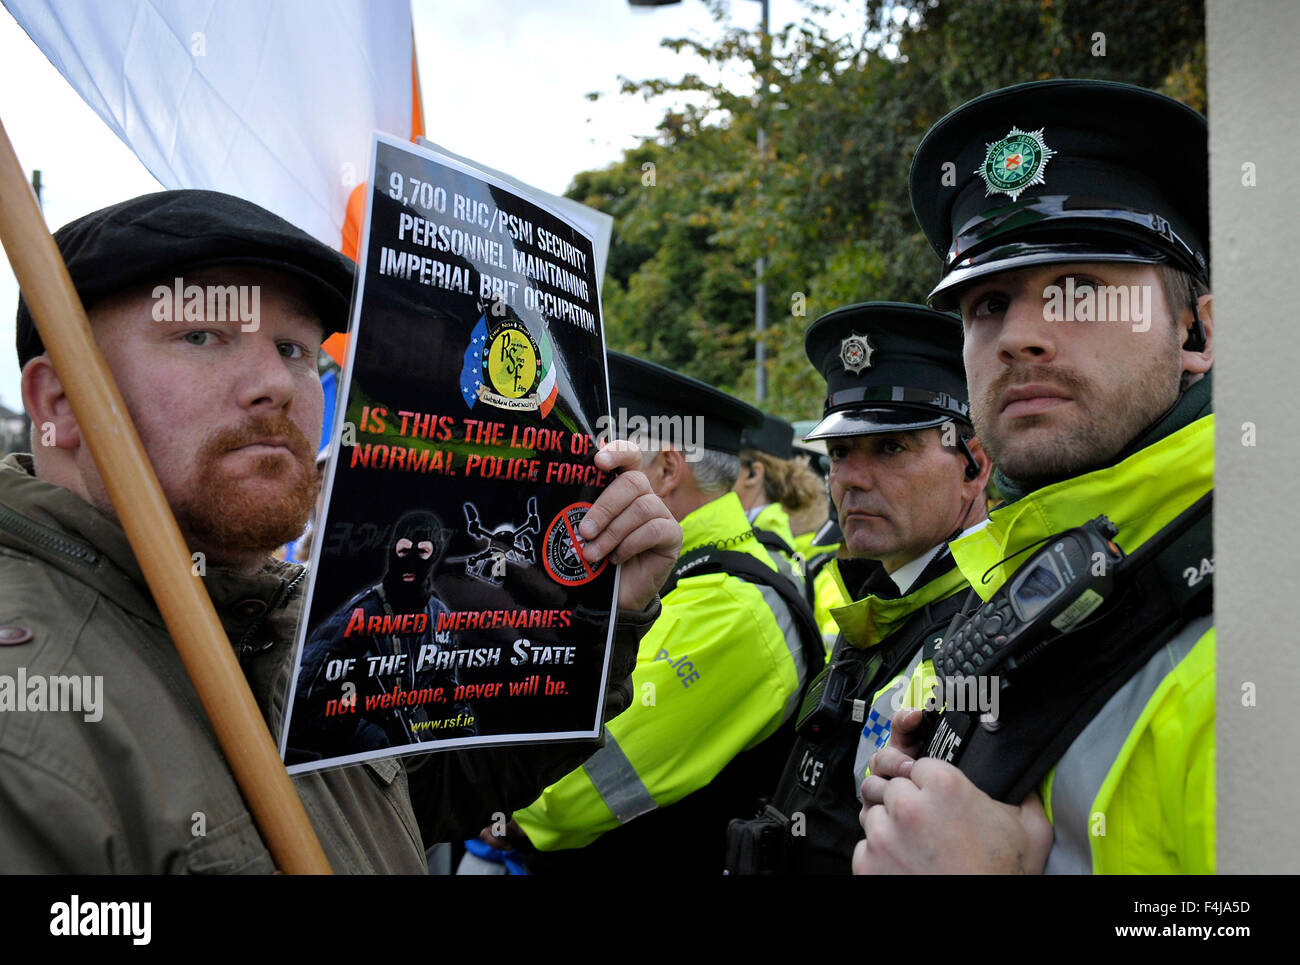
pixel 451 603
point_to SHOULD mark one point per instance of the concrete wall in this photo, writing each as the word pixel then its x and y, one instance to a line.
pixel 1255 258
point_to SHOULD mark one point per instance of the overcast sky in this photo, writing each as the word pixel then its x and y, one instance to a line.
pixel 556 51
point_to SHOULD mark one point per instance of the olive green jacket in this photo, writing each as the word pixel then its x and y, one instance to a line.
pixel 134 780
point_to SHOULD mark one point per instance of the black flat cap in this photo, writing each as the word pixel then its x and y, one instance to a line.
pixel 1063 171
pixel 152 237
pixel 889 367
pixel 774 437
pixel 644 390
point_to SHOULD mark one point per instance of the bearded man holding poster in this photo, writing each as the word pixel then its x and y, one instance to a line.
pixel 139 784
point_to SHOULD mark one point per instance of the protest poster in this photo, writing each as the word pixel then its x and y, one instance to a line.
pixel 449 604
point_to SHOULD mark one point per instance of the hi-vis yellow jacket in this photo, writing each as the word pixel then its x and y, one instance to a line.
pixel 717 674
pixel 804 547
pixel 1134 792
pixel 829 592
pixel 827 589
pixel 775 519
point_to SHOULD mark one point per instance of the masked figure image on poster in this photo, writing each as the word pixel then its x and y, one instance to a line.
pixel 384 641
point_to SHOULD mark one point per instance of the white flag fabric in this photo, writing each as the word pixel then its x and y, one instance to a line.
pixel 270 101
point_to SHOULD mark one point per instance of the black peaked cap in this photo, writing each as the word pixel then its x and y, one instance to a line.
pixel 774 437
pixel 1063 171
pixel 889 367
pixel 646 390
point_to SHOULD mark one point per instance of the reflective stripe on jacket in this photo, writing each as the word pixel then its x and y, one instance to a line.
pixel 717 674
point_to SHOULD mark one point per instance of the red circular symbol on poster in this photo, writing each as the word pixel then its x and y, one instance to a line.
pixel 562 548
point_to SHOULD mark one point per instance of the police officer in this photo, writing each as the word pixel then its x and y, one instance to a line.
pixel 906 476
pixel 718 674
pixel 825 595
pixel 817 528
pixel 818 549
pixel 771 486
pixel 1074 244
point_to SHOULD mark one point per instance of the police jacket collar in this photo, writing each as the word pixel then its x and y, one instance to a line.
pixel 775 519
pixel 1141 494
pixel 721 522
pixel 877 615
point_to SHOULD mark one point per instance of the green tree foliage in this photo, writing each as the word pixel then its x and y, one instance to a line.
pixel 826 203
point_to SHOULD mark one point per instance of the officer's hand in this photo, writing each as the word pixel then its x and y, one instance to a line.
pixel 632 526
pixel 896 758
pixel 937 822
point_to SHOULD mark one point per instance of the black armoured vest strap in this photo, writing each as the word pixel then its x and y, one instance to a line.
pixel 1040 715
pixel 772 541
pixel 709 559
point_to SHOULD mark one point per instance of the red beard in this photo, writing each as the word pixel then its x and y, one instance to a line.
pixel 226 514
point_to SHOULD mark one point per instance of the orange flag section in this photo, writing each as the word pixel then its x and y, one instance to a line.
pixel 336 346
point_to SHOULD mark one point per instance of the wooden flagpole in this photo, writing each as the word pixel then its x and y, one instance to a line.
pixel 155 538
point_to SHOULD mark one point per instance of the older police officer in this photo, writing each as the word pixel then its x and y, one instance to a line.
pixel 906 476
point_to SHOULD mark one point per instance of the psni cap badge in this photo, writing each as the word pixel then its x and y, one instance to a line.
pixel 855 353
pixel 889 367
pixel 1015 162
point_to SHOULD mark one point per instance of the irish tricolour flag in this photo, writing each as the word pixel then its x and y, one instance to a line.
pixel 546 389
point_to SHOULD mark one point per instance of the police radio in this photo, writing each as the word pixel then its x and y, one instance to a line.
pixel 1057 588
pixel 1052 593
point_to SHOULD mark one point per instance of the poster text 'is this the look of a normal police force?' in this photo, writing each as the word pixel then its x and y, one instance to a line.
pixel 450 604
